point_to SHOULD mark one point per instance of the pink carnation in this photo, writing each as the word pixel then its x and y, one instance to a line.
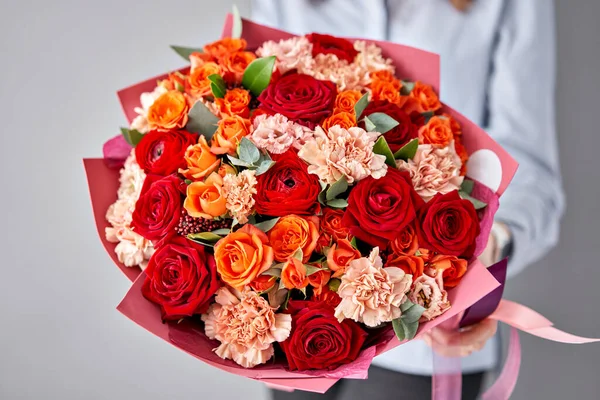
pixel 246 325
pixel 239 191
pixel 429 293
pixel 370 293
pixel 294 53
pixel 347 76
pixel 433 170
pixel 276 134
pixel 343 153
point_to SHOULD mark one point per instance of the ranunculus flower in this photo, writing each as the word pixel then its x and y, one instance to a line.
pixel 452 268
pixel 429 293
pixel 246 326
pixel 318 340
pixel 437 132
pixel 319 280
pixel 370 293
pixel 293 274
pixel 343 119
pixel 229 133
pixel 158 209
pixel 235 102
pixel 400 135
pixel 411 264
pixel 386 91
pixel 433 170
pixel 161 152
pixel 199 85
pixel 235 64
pixel 287 188
pixel 426 96
pixel 181 278
pixel 327 44
pixel 346 100
pixel 206 199
pixel 199 160
pixel 263 283
pixel 299 97
pixel 406 242
pixel 292 233
pixel 331 224
pixel 169 111
pixel 378 209
pixel 222 47
pixel 448 225
pixel 243 255
pixel 340 255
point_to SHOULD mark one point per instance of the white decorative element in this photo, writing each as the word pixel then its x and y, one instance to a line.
pixel 485 166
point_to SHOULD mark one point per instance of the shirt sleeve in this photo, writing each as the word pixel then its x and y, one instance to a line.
pixel 266 12
pixel 522 120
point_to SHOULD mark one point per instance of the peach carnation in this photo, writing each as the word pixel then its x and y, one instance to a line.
pixel 343 153
pixel 347 76
pixel 133 249
pixel 239 191
pixel 293 53
pixel 429 293
pixel 370 57
pixel 370 293
pixel 433 170
pixel 276 134
pixel 246 325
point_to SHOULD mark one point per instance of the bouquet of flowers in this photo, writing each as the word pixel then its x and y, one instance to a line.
pixel 298 204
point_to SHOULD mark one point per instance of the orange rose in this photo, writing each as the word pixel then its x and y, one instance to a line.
pixel 409 264
pixel 340 255
pixel 243 255
pixel 456 128
pixel 331 224
pixel 200 161
pixel 451 267
pixel 343 119
pixel 229 133
pixel 199 85
pixel 426 96
pixel 346 100
pixel 318 280
pixel 292 233
pixel 382 75
pixel 169 111
pixel 198 59
pixel 235 64
pixel 462 154
pixel 223 47
pixel 293 274
pixel 409 105
pixel 175 81
pixel 382 90
pixel 263 283
pixel 235 102
pixel 205 199
pixel 225 169
pixel 436 132
pixel 406 242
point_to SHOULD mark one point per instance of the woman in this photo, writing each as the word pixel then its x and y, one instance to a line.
pixel 498 68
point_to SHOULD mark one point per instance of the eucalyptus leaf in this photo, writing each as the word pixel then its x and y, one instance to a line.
pixel 238 162
pixel 205 237
pixel 360 105
pixel 217 85
pixel 407 87
pixel 221 232
pixel 336 189
pixel 428 115
pixel 407 151
pixel 337 203
pixel 257 75
pixel 369 125
pixel 405 330
pixel 467 186
pixel 186 52
pixel 248 152
pixel 310 269
pixel 381 147
pixel 264 166
pixel 273 272
pixel 413 314
pixel 202 121
pixel 298 255
pixel 267 225
pixel 236 30
pixel 406 305
pixel 132 136
pixel 478 204
pixel 382 122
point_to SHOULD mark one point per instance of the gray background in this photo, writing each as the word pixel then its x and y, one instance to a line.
pixel 60 335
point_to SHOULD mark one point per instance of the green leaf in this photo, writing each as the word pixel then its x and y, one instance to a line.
pixel 298 255
pixel 264 166
pixel 354 243
pixel 360 105
pixel 413 314
pixel 407 151
pixel 187 181
pixel 334 284
pixel 337 203
pixel 205 238
pixel 418 253
pixel 478 204
pixel 369 125
pixel 323 193
pixel 238 162
pixel 407 87
pixel 310 269
pixel 221 232
pixel 236 30
pixel 428 115
pixel 217 85
pixel 267 225
pixel 467 186
pixel 381 147
pixel 202 121
pixel 407 325
pixel 247 151
pixel 381 122
pixel 406 305
pixel 273 272
pixel 186 52
pixel 132 136
pixel 336 189
pixel 258 74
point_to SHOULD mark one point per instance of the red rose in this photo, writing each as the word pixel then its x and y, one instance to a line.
pixel 162 153
pixel 327 44
pixel 399 135
pixel 448 225
pixel 301 98
pixel 318 340
pixel 181 278
pixel 287 188
pixel 378 209
pixel 158 209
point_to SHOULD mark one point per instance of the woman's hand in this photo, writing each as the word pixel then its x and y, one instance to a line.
pixel 463 342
